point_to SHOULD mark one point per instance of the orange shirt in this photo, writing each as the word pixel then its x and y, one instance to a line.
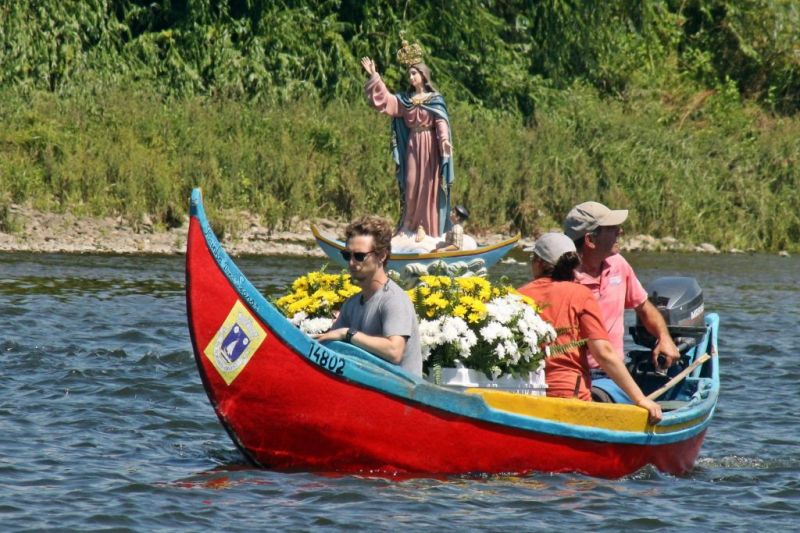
pixel 568 305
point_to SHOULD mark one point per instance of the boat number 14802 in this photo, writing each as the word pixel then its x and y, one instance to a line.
pixel 326 359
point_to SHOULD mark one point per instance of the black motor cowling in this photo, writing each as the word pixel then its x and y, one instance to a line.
pixel 680 302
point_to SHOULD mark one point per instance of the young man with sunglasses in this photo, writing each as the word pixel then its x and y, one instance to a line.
pixel 595 230
pixel 381 318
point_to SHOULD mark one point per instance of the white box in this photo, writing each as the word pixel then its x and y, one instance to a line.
pixel 469 378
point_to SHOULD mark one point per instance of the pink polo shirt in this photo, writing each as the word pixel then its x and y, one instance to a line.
pixel 616 289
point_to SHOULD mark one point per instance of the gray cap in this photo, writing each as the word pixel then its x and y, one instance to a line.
pixel 551 246
pixel 586 217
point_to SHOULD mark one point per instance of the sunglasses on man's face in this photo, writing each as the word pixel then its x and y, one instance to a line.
pixel 358 256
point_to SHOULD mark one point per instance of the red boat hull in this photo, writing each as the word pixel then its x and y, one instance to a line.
pixel 286 413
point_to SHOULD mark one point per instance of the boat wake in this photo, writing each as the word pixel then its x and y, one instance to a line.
pixel 736 462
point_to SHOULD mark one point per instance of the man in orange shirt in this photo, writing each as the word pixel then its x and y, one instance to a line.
pixel 572 308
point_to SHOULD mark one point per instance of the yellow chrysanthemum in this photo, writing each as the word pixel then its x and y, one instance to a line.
pixel 348 291
pixel 300 305
pixel 300 284
pixel 327 295
pixel 436 300
pixel 317 294
pixel 465 284
pixel 473 303
pixel 286 300
pixel 430 281
pixel 485 293
pixel 474 318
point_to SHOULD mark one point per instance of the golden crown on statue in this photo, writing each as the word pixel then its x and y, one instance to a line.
pixel 409 54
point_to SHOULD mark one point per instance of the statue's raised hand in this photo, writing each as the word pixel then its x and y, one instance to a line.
pixel 368 65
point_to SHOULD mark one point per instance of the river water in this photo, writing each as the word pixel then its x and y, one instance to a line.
pixel 104 423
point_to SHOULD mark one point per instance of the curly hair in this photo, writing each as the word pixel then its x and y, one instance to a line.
pixel 379 228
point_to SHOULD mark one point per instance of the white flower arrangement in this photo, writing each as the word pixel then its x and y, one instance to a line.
pixel 507 338
pixel 463 320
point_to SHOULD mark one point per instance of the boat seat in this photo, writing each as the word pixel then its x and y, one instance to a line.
pixel 606 391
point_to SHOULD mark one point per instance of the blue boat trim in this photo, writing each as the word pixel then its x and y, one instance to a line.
pixel 372 372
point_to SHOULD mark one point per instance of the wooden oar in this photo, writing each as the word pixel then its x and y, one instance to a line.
pixel 674 381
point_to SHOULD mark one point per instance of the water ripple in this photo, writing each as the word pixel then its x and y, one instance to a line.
pixel 105 424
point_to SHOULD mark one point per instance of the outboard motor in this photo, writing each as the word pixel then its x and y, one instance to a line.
pixel 680 302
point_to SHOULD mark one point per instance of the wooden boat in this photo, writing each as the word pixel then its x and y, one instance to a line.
pixel 290 403
pixel 490 255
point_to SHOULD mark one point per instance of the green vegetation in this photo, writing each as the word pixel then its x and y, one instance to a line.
pixel 683 111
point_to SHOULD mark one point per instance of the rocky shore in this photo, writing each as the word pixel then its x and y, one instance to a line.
pixel 35 231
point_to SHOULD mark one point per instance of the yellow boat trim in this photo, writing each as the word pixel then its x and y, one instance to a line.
pixel 611 416
pixel 433 255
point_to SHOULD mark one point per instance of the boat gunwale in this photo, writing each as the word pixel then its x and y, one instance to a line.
pixel 411 257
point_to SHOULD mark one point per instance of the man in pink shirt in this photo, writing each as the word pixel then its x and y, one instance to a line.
pixel 595 230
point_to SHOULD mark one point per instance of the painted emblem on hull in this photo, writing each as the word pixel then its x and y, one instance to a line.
pixel 235 342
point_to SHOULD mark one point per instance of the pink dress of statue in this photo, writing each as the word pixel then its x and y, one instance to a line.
pixel 427 133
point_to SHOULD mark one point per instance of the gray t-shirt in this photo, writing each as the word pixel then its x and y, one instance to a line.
pixel 388 312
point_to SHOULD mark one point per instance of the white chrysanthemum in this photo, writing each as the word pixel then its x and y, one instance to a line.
pixel 511 350
pixel 531 325
pixel 430 336
pixel 313 326
pixel 452 328
pixel 503 310
pixel 500 351
pixel 446 330
pixel 496 331
pixel 535 331
pixel 466 342
pixel 298 318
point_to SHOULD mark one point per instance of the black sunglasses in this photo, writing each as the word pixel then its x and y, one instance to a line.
pixel 358 256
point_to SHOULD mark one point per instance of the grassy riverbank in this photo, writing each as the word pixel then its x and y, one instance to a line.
pixel 697 166
pixel 686 112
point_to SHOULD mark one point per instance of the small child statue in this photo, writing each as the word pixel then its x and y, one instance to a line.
pixel 454 239
pixel 420 235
